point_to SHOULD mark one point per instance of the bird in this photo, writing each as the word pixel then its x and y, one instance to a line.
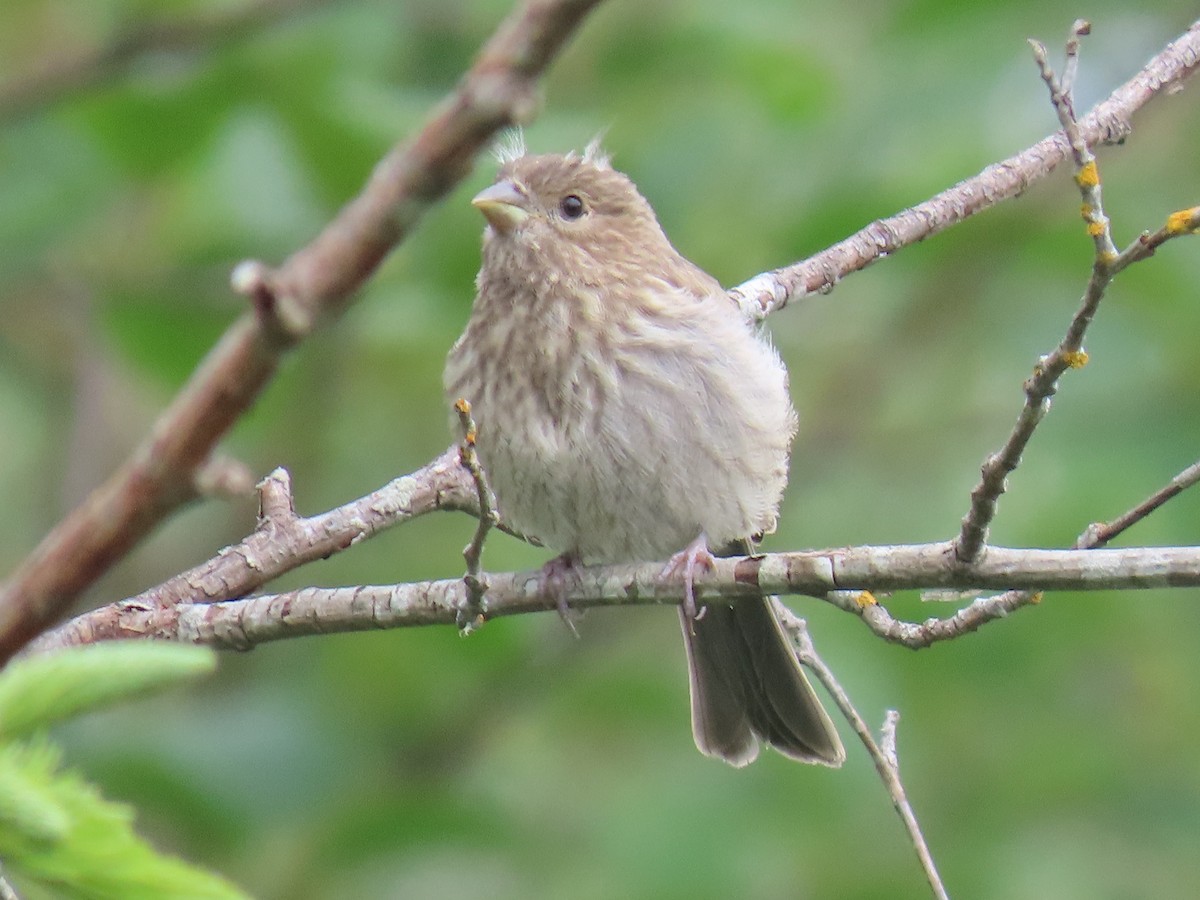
pixel 626 411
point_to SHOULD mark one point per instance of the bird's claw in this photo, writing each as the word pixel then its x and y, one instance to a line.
pixel 558 576
pixel 694 557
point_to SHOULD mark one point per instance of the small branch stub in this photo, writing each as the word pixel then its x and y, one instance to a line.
pixel 275 501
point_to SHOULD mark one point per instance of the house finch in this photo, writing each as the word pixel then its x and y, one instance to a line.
pixel 626 410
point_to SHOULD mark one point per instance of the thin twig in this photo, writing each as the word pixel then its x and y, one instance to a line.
pixel 1081 28
pixel 284 541
pixel 1098 534
pixel 1179 224
pixel 311 288
pixel 473 615
pixel 885 758
pixel 1042 385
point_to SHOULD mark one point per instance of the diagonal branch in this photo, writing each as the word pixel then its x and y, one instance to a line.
pixel 885 757
pixel 1098 534
pixel 312 287
pixel 1108 122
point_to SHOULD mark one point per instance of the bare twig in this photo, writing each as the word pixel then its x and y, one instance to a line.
pixel 1081 28
pixel 284 541
pixel 313 286
pixel 1108 122
pixel 1042 385
pixel 885 757
pixel 65 74
pixel 1098 534
pixel 1180 223
pixel 473 553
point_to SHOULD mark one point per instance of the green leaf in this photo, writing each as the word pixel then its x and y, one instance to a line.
pixel 25 806
pixel 40 690
pixel 58 833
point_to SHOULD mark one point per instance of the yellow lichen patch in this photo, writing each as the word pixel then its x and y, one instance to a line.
pixel 1186 221
pixel 1096 228
pixel 1086 211
pixel 865 599
pixel 1037 598
pixel 1076 359
pixel 462 406
pixel 1088 176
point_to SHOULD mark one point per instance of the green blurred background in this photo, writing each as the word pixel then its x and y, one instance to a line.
pixel 1051 755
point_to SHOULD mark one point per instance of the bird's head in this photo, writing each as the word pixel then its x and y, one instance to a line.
pixel 571 211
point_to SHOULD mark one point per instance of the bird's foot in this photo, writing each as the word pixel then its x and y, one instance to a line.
pixel 687 562
pixel 559 575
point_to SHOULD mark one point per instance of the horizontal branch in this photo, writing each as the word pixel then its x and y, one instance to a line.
pixel 242 624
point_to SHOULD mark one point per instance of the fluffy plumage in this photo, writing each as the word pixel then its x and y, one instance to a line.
pixel 624 408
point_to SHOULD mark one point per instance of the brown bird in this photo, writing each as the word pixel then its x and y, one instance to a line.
pixel 626 410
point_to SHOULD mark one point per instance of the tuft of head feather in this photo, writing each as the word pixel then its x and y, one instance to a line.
pixel 509 146
pixel 595 154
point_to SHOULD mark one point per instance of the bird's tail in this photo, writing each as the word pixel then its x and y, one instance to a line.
pixel 747 687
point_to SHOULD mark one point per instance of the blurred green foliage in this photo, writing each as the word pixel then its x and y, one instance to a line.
pixel 58 836
pixel 1051 755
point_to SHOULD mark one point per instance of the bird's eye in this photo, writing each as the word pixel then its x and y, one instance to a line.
pixel 571 206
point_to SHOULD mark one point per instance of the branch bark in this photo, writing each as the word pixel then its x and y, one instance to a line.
pixel 242 624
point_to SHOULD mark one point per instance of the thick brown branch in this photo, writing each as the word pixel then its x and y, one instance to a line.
pixel 313 285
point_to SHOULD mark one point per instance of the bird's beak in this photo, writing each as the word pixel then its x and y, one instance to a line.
pixel 503 204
